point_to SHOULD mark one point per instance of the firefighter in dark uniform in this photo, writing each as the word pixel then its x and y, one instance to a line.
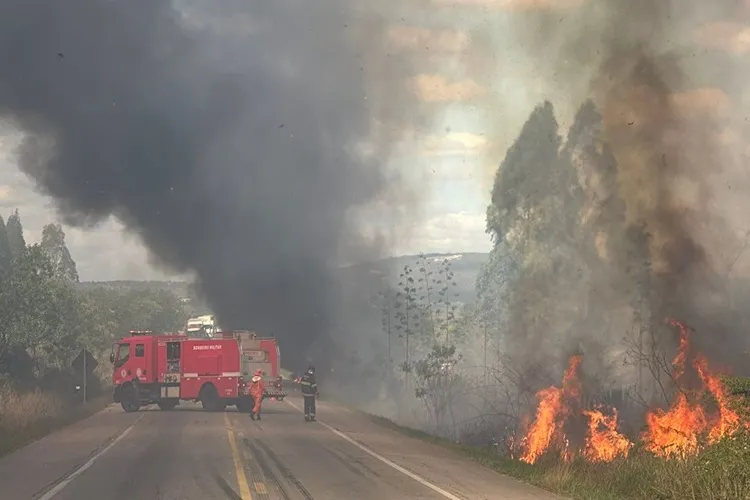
pixel 309 393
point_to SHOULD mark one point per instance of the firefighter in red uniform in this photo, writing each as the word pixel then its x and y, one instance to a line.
pixel 257 388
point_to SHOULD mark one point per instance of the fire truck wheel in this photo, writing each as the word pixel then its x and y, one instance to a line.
pixel 210 398
pixel 130 402
pixel 167 404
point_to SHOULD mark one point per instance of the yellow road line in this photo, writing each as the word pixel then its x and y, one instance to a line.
pixel 238 467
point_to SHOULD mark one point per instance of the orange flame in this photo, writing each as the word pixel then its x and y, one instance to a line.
pixel 603 442
pixel 547 426
pixel 542 431
pixel 678 364
pixel 729 421
pixel 676 433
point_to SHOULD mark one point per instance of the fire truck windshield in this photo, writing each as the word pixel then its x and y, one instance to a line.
pixel 123 354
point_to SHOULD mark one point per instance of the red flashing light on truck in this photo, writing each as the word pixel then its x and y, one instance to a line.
pixel 165 369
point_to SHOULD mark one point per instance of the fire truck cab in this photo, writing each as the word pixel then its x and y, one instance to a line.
pixel 164 369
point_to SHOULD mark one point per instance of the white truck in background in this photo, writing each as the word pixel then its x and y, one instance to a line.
pixel 202 327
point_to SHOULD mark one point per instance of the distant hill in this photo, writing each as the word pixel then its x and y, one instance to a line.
pixel 178 287
pixel 465 267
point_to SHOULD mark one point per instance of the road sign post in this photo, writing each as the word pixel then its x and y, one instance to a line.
pixel 84 365
pixel 85 352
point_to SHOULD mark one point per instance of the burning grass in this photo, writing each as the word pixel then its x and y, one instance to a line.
pixel 696 449
pixel 678 432
pixel 717 472
pixel 27 416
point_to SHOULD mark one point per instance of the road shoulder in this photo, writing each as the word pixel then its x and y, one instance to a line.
pixel 53 457
pixel 452 467
pixel 505 467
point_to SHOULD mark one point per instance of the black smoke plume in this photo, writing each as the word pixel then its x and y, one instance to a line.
pixel 228 135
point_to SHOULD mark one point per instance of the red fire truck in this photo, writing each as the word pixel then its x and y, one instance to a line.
pixel 259 353
pixel 163 369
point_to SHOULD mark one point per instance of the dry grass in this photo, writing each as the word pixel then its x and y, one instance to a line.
pixel 27 416
pixel 18 411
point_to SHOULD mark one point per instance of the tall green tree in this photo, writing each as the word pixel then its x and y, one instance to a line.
pixel 5 255
pixel 535 266
pixel 516 212
pixel 14 228
pixel 53 244
pixel 37 311
pixel 494 286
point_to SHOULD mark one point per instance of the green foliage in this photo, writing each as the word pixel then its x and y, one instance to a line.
pixel 53 243
pixel 406 312
pixel 14 229
pixel 524 175
pixel 38 312
pixel 45 319
pixel 24 296
pixel 109 314
pixel 494 289
pixel 565 262
pixel 534 286
pixel 422 309
pixel 438 382
pixel 737 385
pixel 5 255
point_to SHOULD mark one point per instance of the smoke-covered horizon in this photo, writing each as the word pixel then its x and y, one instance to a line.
pixel 240 140
pixel 659 225
pixel 667 78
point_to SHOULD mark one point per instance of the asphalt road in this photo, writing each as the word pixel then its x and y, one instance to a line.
pixel 190 454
